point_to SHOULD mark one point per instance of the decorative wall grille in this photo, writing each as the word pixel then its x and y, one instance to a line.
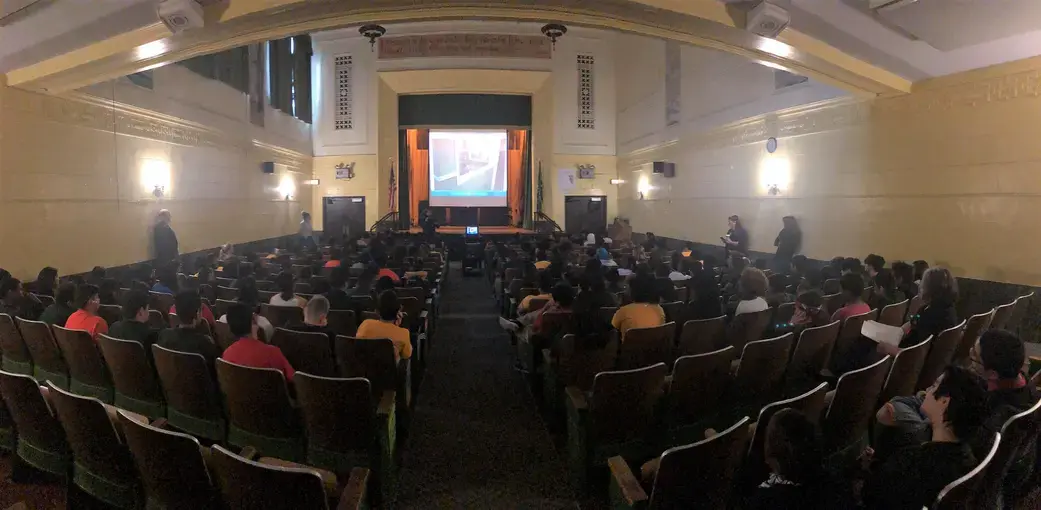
pixel 344 66
pixel 586 108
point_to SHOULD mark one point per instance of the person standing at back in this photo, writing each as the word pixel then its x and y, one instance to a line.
pixel 165 238
pixel 306 232
pixel 247 350
pixel 736 239
pixel 788 242
pixel 86 318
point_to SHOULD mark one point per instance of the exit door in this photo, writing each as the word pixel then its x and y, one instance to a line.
pixel 585 214
pixel 344 217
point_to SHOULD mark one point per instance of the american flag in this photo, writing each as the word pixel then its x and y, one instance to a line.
pixel 393 188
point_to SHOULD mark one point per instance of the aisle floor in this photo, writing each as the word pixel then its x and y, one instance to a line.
pixel 477 438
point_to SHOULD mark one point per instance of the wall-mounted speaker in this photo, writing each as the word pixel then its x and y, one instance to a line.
pixel 268 167
pixel 665 168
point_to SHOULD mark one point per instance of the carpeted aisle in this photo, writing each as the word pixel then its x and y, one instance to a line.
pixel 477 440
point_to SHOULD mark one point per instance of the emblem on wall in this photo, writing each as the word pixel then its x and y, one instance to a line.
pixel 345 171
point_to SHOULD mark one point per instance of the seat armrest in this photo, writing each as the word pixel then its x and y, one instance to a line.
pixel 353 495
pixel 576 398
pixel 625 488
pixel 248 453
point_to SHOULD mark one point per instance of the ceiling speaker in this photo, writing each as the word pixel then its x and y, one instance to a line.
pixel 180 15
pixel 767 20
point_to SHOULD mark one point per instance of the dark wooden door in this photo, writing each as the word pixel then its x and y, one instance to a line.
pixel 344 217
pixel 585 214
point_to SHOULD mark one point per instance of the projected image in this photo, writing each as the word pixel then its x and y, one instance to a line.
pixel 468 168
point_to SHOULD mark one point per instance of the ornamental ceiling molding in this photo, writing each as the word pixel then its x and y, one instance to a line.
pixel 998 89
pixel 283 156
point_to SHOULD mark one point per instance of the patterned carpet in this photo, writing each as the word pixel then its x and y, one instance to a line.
pixel 477 439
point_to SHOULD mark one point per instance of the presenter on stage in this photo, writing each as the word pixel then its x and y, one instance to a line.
pixel 736 240
pixel 428 224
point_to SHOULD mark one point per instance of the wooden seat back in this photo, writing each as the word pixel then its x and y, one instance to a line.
pixel 12 346
pixel 678 312
pixel 43 348
pixel 699 383
pixel 1002 313
pixel 343 322
pixel 963 492
pixel 702 335
pixel 339 414
pixel 810 403
pixel 578 365
pixel 132 373
pixel 623 404
pixel 306 352
pixel 257 400
pixel 914 306
pixel 748 327
pixel 188 386
pixel 783 315
pixel 893 315
pixel 941 352
pixel 32 416
pixel 700 475
pixel 903 376
pixel 811 354
pixel 1019 437
pixel 644 347
pixel 832 302
pixel 282 316
pixel 171 466
pixel 848 335
pixel 81 353
pixel 831 286
pixel 974 328
pixel 221 306
pixel 249 484
pixel 371 359
pixel 111 313
pixel 224 337
pixel 856 395
pixel 763 363
pixel 161 301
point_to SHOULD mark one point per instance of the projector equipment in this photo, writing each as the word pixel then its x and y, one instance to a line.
pixel 180 15
pixel 665 168
pixel 372 32
pixel 767 19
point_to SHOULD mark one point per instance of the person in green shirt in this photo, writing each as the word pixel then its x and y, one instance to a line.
pixel 59 311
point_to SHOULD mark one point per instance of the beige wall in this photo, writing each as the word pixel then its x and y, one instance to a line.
pixel 76 171
pixel 364 184
pixel 949 174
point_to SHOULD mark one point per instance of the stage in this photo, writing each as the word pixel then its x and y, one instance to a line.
pixel 484 231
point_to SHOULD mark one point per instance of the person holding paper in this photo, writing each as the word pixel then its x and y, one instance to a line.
pixel 736 239
pixel 939 294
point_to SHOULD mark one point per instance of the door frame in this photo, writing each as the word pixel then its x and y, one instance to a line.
pixel 325 209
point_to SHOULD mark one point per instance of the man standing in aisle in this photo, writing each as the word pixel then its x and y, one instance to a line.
pixel 306 232
pixel 164 238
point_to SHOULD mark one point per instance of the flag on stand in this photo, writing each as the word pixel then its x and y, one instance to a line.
pixel 393 188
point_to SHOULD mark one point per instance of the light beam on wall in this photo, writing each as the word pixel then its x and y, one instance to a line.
pixel 775 174
pixel 286 187
pixel 154 175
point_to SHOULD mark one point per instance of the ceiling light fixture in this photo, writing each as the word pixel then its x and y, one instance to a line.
pixel 372 32
pixel 554 31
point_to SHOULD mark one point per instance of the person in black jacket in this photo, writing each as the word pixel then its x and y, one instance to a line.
pixel 165 238
pixel 788 242
pixel 939 294
pixel 736 239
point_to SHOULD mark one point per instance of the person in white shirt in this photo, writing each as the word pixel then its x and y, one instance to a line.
pixel 306 231
pixel 751 287
pixel 676 275
pixel 285 297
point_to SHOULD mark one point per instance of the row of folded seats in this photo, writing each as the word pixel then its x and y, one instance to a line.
pixel 130 424
pixel 662 393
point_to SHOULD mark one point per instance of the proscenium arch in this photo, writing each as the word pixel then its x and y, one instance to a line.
pixel 300 17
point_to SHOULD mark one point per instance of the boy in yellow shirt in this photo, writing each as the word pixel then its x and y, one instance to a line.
pixel 643 312
pixel 388 325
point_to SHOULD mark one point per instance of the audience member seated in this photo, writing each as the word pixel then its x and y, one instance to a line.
pixel 663 284
pixel 794 452
pixel 334 258
pixel 365 282
pixel 388 325
pixel 186 337
pixel 384 271
pixel 542 260
pixel 86 316
pixel 247 349
pixel 751 287
pixel 678 265
pixel 15 302
pixel 416 270
pixel 46 282
pixel 874 264
pixel 384 283
pixel 910 478
pixel 852 285
pixel 810 311
pixel 903 277
pixel 96 275
pixel 920 267
pixel 545 292
pixel 249 296
pixel 337 295
pixel 134 325
pixel 227 251
pixel 884 291
pixel 286 297
pixel 107 291
pixel 778 293
pixel 644 311
pixel 703 291
pixel 59 311
pixel 851 265
pixel 167 283
pixel 316 318
pixel 939 292
pixel 615 282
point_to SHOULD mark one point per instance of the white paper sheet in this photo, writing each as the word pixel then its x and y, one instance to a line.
pixel 882 333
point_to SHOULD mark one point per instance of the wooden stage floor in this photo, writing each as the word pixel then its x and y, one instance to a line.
pixel 483 230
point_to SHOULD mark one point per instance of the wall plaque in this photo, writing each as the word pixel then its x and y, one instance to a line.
pixel 465 45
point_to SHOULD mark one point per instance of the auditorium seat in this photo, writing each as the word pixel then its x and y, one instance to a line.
pixel 568 363
pixel 1018 436
pixel 260 413
pixel 343 322
pixel 893 315
pixel 974 327
pixel 619 417
pixel 16 357
pixel 675 311
pixel 111 313
pixel 161 302
pixel 697 475
pixel 696 391
pixel 962 493
pixel 221 307
pixel 373 359
pixel 913 307
pixel 760 372
pixel 941 351
pixel 48 363
pixel 171 465
pixel 748 327
pixel 306 352
pixel 249 484
pixel 136 387
pixel 103 466
pixel 88 374
pixel 41 439
pixel 702 335
pixel 845 423
pixel 907 367
pixel 282 316
pixel 644 347
pixel 348 426
pixel 192 401
pixel 849 335
pixel 834 301
pixel 809 357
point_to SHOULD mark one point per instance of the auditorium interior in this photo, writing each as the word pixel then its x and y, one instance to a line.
pixel 454 144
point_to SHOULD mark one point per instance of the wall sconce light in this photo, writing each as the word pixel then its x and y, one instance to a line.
pixel 617 181
pixel 775 175
pixel 286 187
pixel 312 182
pixel 154 175
pixel 158 191
pixel 773 189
